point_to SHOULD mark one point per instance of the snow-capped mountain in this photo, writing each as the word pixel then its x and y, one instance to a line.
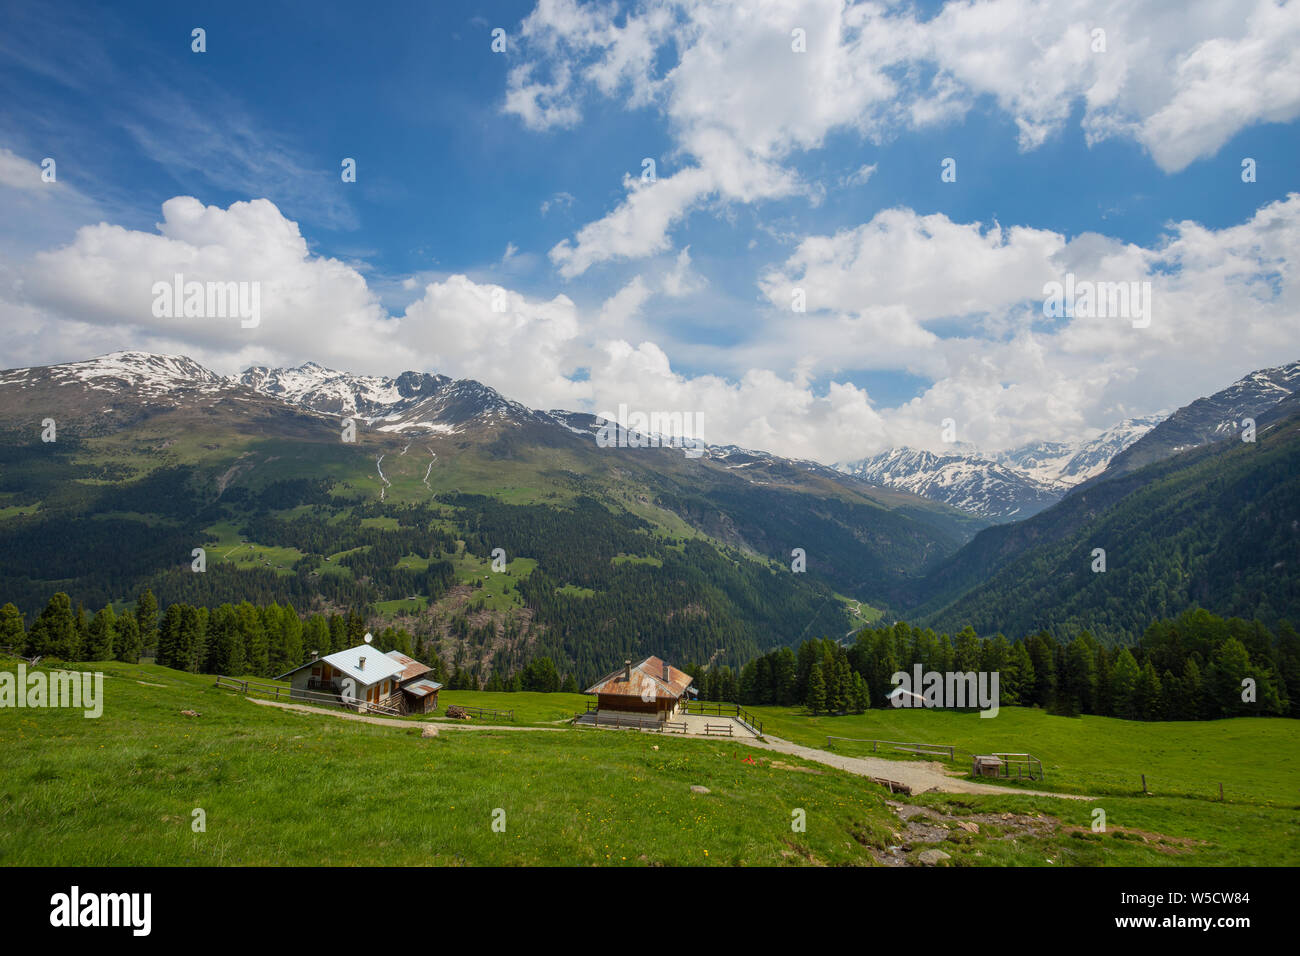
pixel 970 483
pixel 1006 486
pixel 111 391
pixel 413 401
pixel 144 374
pixel 1069 463
pixel 1209 419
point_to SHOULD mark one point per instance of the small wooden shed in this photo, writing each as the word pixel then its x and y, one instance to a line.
pixel 986 765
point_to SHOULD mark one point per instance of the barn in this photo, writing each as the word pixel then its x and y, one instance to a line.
pixel 652 688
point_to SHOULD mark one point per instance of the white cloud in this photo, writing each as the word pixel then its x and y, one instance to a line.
pixel 958 303
pixel 859 177
pixel 624 304
pixel 681 279
pixel 1180 79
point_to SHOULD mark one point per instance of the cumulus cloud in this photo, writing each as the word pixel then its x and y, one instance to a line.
pixel 741 103
pixel 957 303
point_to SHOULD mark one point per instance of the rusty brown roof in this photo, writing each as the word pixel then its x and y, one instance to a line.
pixel 651 669
pixel 411 668
pixel 422 688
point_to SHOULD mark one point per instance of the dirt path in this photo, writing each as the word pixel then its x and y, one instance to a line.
pixel 393 721
pixel 916 776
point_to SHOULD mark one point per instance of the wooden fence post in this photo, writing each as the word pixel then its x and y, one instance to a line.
pixel 1144 783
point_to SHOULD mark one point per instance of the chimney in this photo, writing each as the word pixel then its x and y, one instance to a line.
pixel 315 655
pixel 627 671
pixel 665 663
pixel 361 665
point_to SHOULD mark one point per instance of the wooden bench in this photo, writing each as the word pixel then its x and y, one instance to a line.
pixel 717 730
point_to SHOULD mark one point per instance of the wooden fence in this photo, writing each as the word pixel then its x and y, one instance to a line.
pixel 929 750
pixel 617 720
pixel 1026 765
pixel 718 709
pixel 484 712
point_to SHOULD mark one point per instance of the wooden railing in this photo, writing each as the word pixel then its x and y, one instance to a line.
pixel 718 730
pixel 617 720
pixel 1027 765
pixel 721 709
pixel 484 711
pixel 281 692
pixel 929 750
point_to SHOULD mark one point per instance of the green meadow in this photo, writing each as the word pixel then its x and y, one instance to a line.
pixel 1256 759
pixel 280 787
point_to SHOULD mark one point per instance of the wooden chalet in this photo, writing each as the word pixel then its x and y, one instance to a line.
pixel 652 688
pixel 368 679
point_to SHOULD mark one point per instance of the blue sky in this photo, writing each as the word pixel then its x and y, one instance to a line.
pixel 451 176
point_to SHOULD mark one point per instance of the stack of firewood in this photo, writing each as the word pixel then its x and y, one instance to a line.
pixel 459 713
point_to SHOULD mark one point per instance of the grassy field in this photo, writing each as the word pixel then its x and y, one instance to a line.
pixel 1256 759
pixel 529 708
pixel 279 787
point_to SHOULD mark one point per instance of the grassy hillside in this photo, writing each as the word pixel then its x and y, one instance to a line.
pixel 285 788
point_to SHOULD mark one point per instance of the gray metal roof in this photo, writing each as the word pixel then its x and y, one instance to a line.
pixel 422 687
pixel 378 665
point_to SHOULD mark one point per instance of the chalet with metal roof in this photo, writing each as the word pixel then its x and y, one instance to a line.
pixel 368 679
pixel 652 688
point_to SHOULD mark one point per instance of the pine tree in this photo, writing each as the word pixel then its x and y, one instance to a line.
pixel 860 695
pixel 100 634
pixel 55 632
pixel 1123 685
pixel 256 657
pixel 146 617
pixel 12 632
pixel 1150 704
pixel 169 638
pixel 816 701
pixel 126 639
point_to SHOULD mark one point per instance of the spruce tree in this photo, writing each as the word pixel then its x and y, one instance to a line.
pixel 54 634
pixel 146 618
pixel 816 701
pixel 126 639
pixel 12 632
pixel 100 634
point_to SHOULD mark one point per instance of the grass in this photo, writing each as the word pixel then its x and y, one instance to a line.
pixel 529 707
pixel 231 548
pixel 411 605
pixel 498 591
pixel 1257 759
pixel 278 788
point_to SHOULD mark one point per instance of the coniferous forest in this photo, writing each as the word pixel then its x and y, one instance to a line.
pixel 1193 667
